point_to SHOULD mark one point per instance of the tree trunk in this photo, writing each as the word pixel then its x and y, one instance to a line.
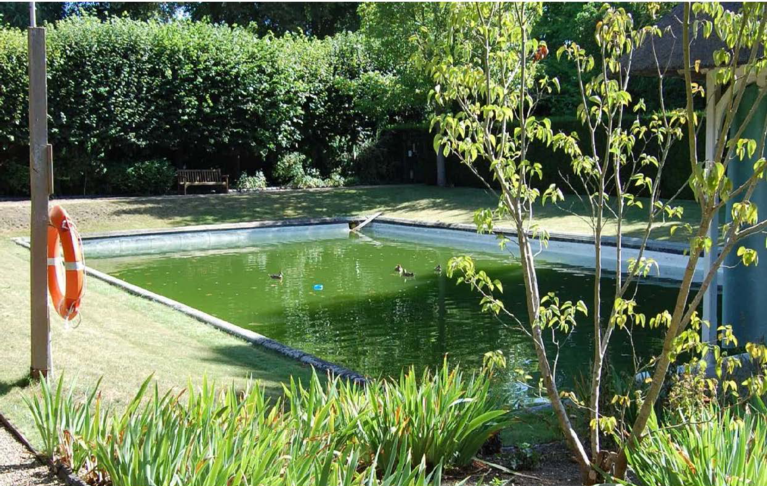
pixel 441 176
pixel 664 359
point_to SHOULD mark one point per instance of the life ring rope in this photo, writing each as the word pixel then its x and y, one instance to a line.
pixel 62 230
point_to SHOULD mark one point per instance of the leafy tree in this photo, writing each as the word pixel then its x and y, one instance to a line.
pixel 16 14
pixel 404 38
pixel 491 79
pixel 319 19
pixel 563 23
pixel 613 168
pixel 133 10
pixel 345 97
pixel 490 86
pixel 744 30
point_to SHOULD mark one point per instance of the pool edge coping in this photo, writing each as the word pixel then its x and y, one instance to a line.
pixel 279 223
pixel 251 337
pixel 627 241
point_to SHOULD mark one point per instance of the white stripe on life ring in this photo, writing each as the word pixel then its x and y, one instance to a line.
pixel 67 265
pixel 74 266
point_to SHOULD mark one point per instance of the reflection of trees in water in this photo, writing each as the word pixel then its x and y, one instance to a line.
pixel 377 322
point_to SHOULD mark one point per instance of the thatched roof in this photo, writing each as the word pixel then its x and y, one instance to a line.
pixel 664 54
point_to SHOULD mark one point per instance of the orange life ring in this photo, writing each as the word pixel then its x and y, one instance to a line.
pixel 66 303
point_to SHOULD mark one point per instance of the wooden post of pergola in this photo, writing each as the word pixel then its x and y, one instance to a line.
pixel 40 174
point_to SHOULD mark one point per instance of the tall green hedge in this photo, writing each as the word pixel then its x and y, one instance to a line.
pixel 196 94
pixel 124 95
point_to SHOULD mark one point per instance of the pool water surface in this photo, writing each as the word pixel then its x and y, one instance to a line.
pixel 341 300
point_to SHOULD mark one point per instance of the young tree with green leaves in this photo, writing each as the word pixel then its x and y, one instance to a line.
pixel 492 79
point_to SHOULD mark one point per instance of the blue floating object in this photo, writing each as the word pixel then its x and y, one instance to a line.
pixel 318 287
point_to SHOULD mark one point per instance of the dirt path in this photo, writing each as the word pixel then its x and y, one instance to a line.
pixel 554 468
pixel 18 467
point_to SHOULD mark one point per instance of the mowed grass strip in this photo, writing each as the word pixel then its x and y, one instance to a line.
pixel 417 202
pixel 123 339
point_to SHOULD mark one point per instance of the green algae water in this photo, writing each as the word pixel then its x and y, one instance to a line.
pixel 370 319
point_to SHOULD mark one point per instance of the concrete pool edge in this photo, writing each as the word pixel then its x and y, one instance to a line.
pixel 628 242
pixel 278 223
pixel 669 259
pixel 222 325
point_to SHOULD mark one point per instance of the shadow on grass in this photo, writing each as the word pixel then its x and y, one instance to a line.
pixel 270 370
pixel 206 209
pixel 415 201
pixel 7 386
pixel 261 363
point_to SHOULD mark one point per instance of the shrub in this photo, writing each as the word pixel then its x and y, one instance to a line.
pixel 373 163
pixel 292 171
pixel 246 182
pixel 524 457
pixel 709 446
pixel 147 177
pixel 290 168
pixel 15 179
pixel 310 179
pixel 338 180
pixel 126 90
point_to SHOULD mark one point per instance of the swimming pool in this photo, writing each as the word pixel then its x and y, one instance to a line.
pixel 340 298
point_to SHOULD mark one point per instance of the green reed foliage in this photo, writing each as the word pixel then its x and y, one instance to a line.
pixel 443 417
pixel 440 418
pixel 394 433
pixel 67 427
pixel 708 447
pixel 229 437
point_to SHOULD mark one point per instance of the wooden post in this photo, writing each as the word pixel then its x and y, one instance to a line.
pixel 39 181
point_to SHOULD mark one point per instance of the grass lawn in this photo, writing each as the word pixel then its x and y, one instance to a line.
pixel 452 205
pixel 124 338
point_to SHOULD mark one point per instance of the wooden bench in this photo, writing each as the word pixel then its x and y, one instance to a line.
pixel 205 177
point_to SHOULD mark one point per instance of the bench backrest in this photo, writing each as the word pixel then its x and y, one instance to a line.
pixel 205 175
